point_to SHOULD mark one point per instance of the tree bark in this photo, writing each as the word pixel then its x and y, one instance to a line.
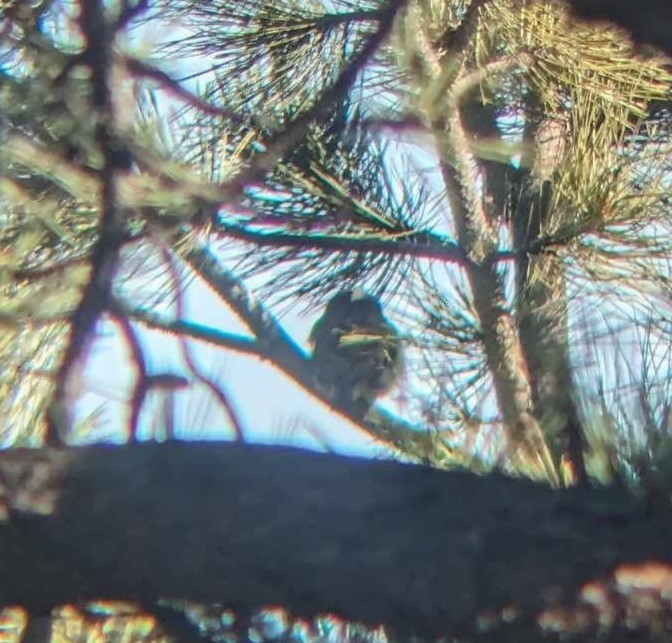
pixel 541 319
pixel 542 314
pixel 504 352
pixel 423 551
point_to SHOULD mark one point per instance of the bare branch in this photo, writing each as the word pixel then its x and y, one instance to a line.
pixel 112 231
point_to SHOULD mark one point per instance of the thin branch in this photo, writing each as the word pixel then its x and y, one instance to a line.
pixel 129 12
pixel 272 339
pixel 421 245
pixel 179 327
pixel 142 385
pixel 216 388
pixel 171 86
pixel 111 237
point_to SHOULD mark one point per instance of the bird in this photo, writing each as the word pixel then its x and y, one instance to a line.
pixel 357 353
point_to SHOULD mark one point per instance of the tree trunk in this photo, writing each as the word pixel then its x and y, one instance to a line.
pixel 428 552
pixel 541 320
pixel 542 314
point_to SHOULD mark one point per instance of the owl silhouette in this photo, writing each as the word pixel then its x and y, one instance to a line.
pixel 356 351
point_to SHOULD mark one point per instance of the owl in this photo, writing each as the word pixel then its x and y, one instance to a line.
pixel 356 352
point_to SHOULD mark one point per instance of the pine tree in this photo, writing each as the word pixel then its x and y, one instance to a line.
pixel 494 172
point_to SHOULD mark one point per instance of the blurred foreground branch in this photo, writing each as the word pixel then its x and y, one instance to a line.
pixel 421 550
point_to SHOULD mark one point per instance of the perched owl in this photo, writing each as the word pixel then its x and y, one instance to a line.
pixel 356 351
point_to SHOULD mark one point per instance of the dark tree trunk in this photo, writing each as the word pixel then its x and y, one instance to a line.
pixel 421 550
